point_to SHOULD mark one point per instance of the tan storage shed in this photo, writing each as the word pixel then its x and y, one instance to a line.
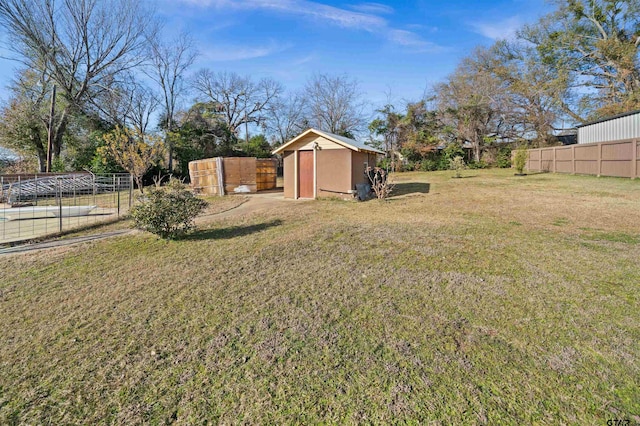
pixel 321 164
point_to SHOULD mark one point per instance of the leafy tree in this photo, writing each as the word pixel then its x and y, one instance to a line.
pixel 24 119
pixel 388 126
pixel 414 133
pixel 134 151
pixel 258 146
pixel 199 133
pixel 531 92
pixel 418 131
pixel 593 44
pixel 470 102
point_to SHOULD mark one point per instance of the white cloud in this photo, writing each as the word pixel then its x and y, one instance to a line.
pixel 412 40
pixel 303 60
pixel 361 18
pixel 376 8
pixel 340 17
pixel 238 53
pixel 499 30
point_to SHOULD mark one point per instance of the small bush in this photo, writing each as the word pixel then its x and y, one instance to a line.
pixel 503 158
pixel 384 163
pixel 457 164
pixel 520 159
pixel 168 211
pixel 478 165
pixel 428 165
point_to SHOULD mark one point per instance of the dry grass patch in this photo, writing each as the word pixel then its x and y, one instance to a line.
pixel 470 304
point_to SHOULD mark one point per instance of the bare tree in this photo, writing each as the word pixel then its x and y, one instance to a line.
pixel 287 117
pixel 83 45
pixel 143 103
pixel 169 64
pixel 240 100
pixel 335 104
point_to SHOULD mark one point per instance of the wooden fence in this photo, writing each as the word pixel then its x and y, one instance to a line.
pixel 615 158
pixel 219 176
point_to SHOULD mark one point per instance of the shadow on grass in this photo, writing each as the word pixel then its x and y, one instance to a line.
pixel 411 188
pixel 230 232
pixel 533 173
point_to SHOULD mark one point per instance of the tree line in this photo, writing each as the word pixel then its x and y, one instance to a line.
pixel 576 64
pixel 96 75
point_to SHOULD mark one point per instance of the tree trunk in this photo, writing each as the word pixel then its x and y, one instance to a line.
pixel 42 161
pixel 58 135
pixel 476 150
pixel 138 180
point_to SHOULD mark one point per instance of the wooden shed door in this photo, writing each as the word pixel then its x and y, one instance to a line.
pixel 305 174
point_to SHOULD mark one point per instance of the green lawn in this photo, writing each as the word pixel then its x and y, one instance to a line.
pixel 490 299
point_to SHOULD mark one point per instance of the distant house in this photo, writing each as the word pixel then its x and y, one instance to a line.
pixel 321 164
pixel 615 128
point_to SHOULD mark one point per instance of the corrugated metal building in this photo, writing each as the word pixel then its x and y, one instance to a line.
pixel 618 127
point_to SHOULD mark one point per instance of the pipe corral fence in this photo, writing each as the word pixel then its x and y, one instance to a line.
pixel 228 175
pixel 612 158
pixel 36 205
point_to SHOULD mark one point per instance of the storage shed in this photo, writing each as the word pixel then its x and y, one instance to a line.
pixel 321 164
pixel 227 175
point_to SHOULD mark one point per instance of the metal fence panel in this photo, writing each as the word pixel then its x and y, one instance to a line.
pixel 33 206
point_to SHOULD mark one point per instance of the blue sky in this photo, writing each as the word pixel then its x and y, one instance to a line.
pixel 401 47
pixel 397 47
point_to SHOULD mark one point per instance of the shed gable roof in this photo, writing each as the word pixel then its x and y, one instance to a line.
pixel 340 140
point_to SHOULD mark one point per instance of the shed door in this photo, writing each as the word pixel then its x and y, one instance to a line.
pixel 305 174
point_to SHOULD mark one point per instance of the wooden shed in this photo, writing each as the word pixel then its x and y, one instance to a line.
pixel 321 164
pixel 226 175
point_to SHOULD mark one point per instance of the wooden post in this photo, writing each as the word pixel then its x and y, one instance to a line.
pixel 295 174
pixel 599 159
pixel 573 159
pixel 554 159
pixel 315 170
pixel 59 181
pixel 130 190
pixel 634 159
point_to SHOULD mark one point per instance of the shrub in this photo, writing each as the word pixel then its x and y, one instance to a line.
pixel 168 211
pixel 478 165
pixel 384 163
pixel 457 164
pixel 503 158
pixel 380 182
pixel 428 165
pixel 410 166
pixel 520 159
